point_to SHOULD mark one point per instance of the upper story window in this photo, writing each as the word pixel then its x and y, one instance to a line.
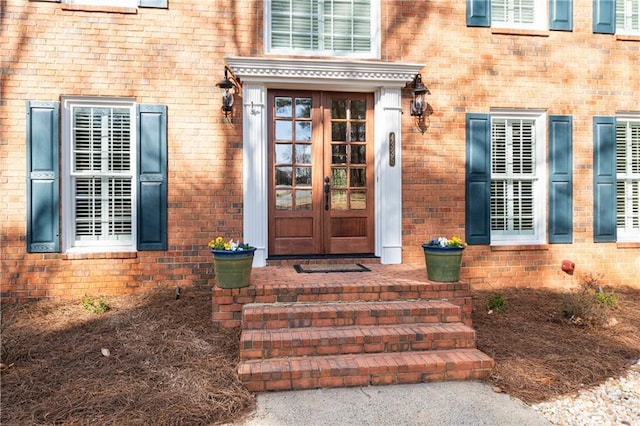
pixel 525 14
pixel 323 27
pixel 531 15
pixel 628 16
pixel 114 3
pixel 121 6
pixel 628 178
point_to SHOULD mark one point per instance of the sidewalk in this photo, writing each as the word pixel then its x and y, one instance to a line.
pixel 442 403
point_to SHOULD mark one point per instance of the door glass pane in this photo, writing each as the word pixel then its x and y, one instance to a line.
pixel 339 154
pixel 283 199
pixel 303 175
pixel 339 132
pixel 339 177
pixel 358 110
pixel 283 153
pixel 358 154
pixel 303 199
pixel 303 108
pixel 338 199
pixel 358 200
pixel 283 107
pixel 283 130
pixel 339 109
pixel 303 131
pixel 283 176
pixel 358 132
pixel 303 154
pixel 358 177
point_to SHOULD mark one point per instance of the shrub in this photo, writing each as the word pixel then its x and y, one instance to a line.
pixel 590 305
pixel 96 307
pixel 496 303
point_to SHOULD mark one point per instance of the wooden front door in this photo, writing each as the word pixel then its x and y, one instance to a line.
pixel 320 173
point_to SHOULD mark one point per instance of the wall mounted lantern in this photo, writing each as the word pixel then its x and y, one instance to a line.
pixel 228 86
pixel 419 105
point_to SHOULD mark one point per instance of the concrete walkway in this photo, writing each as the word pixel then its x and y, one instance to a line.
pixel 441 404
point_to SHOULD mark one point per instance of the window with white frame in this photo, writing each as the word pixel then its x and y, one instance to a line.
pixel 323 27
pixel 111 3
pixel 628 16
pixel 628 178
pixel 99 148
pixel 524 14
pixel 517 165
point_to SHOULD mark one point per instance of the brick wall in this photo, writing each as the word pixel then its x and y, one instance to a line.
pixel 575 73
pixel 175 57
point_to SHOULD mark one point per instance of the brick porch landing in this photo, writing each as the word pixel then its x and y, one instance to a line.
pixel 387 326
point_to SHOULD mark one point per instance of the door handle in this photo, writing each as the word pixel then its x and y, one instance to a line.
pixel 327 190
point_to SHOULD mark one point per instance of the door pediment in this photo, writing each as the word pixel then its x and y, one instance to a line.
pixel 323 74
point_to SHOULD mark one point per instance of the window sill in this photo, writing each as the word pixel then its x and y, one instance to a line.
pixel 627 37
pixel 521 247
pixel 521 32
pixel 88 256
pixel 95 8
pixel 629 245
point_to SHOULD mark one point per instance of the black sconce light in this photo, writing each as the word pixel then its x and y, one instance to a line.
pixel 228 87
pixel 418 103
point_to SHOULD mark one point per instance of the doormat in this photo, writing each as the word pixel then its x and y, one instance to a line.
pixel 315 268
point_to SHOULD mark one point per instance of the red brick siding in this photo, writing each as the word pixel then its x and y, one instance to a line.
pixel 176 56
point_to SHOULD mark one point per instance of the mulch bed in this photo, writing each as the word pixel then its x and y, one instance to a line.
pixel 166 363
pixel 540 355
pixel 152 359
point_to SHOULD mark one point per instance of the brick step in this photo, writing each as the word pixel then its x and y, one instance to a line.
pixel 350 287
pixel 259 344
pixel 322 260
pixel 269 316
pixel 364 369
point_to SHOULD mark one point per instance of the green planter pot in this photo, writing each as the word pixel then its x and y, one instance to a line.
pixel 233 268
pixel 443 263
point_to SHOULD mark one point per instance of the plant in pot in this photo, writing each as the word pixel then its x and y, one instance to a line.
pixel 443 257
pixel 232 262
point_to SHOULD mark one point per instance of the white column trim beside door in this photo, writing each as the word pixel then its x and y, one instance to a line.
pixel 254 170
pixel 388 188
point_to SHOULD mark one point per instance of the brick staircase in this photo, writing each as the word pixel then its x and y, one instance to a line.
pixel 387 326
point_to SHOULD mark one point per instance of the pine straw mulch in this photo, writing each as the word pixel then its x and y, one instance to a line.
pixel 540 355
pixel 166 364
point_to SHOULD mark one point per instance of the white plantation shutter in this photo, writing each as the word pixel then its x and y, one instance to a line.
pixel 321 25
pixel 513 175
pixel 628 16
pixel 102 173
pixel 628 178
pixel 515 11
pixel 294 24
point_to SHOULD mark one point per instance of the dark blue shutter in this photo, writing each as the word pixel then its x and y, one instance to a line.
pixel 560 179
pixel 478 13
pixel 604 179
pixel 152 177
pixel 161 4
pixel 604 16
pixel 43 212
pixel 561 15
pixel 478 179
